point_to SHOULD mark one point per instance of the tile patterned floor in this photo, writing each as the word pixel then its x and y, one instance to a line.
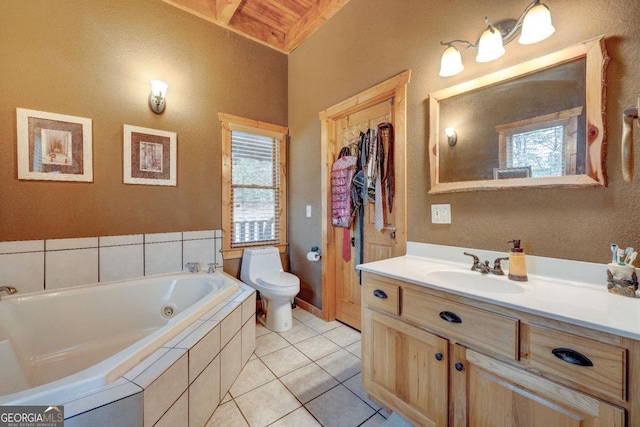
pixel 308 376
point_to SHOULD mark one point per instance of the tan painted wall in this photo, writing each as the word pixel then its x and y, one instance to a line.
pixel 369 41
pixel 95 59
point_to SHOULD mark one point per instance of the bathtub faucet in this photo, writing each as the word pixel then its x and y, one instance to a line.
pixel 193 267
pixel 212 268
pixel 8 289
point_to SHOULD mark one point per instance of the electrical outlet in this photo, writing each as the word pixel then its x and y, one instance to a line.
pixel 441 214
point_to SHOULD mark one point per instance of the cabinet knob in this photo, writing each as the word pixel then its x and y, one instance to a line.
pixel 459 367
pixel 572 356
pixel 380 294
pixel 450 316
pixel 439 356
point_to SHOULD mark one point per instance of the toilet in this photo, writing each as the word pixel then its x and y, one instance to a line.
pixel 262 270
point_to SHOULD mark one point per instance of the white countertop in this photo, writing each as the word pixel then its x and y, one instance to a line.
pixel 578 303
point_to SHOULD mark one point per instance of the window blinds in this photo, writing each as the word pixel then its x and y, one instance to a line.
pixel 255 189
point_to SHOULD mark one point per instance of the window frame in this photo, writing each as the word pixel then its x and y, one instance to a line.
pixel 566 118
pixel 232 123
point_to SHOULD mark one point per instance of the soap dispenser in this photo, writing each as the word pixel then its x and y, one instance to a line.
pixel 517 262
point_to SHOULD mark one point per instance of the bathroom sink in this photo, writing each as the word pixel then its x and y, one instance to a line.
pixel 473 281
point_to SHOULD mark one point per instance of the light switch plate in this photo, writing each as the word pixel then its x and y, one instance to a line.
pixel 308 211
pixel 441 214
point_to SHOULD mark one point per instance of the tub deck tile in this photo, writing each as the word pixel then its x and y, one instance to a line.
pixel 158 367
pixel 197 334
pixel 116 391
pixel 163 388
pixel 183 335
pixel 145 364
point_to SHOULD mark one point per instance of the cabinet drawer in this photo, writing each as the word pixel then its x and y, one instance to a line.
pixel 469 325
pixel 593 364
pixel 382 295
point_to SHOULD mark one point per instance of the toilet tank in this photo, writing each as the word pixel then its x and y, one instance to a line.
pixel 256 262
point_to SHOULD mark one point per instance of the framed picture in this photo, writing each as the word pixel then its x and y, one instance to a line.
pixel 54 147
pixel 149 156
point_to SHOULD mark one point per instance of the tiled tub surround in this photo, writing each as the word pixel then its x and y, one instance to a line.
pixel 37 265
pixel 181 383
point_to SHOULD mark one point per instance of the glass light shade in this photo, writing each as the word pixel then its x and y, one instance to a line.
pixel 490 45
pixel 159 88
pixel 450 62
pixel 536 25
pixel 449 132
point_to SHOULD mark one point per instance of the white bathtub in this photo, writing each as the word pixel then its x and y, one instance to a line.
pixel 59 345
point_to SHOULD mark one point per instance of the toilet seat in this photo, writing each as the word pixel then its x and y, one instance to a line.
pixel 278 281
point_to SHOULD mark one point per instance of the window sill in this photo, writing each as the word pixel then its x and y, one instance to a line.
pixel 236 253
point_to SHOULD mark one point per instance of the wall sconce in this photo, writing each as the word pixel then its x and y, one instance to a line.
pixel 157 96
pixel 534 25
pixel 452 136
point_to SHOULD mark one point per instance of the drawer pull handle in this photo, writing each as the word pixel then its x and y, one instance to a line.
pixel 450 317
pixel 380 294
pixel 439 356
pixel 459 367
pixel 571 356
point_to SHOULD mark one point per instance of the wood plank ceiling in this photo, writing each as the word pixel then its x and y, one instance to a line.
pixel 280 24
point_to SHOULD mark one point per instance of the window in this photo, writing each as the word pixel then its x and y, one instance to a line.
pixel 543 146
pixel 253 185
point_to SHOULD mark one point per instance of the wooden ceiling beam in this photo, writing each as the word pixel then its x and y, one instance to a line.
pixel 225 9
pixel 311 21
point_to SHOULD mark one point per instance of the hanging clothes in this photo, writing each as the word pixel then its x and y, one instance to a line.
pixel 385 132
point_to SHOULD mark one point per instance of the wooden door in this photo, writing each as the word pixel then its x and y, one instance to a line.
pixel 494 394
pixel 341 125
pixel 376 244
pixel 406 368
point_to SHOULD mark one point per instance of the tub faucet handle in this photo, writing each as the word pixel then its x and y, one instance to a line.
pixel 212 268
pixel 193 267
pixel 8 289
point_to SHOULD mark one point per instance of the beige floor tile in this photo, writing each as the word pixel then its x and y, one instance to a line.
pixel 285 360
pixel 309 382
pixel 339 408
pixel 261 330
pixel 342 365
pixel 226 398
pixel 298 418
pixel 269 343
pixel 298 332
pixel 355 385
pixel 355 349
pixel 317 347
pixel 376 421
pixel 343 335
pixel 227 415
pixel 266 404
pixel 253 375
pixel 302 315
pixel 320 325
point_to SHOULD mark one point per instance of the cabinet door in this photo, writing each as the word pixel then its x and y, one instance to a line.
pixel 405 369
pixel 500 395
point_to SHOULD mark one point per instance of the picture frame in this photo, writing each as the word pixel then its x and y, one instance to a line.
pixel 150 156
pixel 54 147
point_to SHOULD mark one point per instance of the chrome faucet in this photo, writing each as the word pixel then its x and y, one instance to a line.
pixel 212 268
pixel 497 267
pixel 193 267
pixel 10 290
pixel 483 267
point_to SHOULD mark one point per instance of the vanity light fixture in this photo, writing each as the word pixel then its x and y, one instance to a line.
pixel 533 25
pixel 452 136
pixel 157 96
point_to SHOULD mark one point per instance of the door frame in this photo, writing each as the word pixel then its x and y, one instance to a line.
pixel 393 89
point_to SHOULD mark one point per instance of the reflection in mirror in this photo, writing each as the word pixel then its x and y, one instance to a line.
pixel 535 124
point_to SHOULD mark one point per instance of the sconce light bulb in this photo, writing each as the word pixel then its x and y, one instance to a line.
pixel 452 136
pixel 450 62
pixel 157 96
pixel 536 25
pixel 490 46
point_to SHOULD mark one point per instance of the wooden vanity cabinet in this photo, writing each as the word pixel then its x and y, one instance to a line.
pixel 491 367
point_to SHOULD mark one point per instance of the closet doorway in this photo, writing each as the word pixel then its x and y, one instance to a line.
pixel 341 126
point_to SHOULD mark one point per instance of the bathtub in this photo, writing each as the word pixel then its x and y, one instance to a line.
pixel 58 345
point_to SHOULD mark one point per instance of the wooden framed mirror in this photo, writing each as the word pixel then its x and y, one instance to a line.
pixel 536 124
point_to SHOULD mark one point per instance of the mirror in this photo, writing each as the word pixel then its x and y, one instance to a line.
pixel 536 124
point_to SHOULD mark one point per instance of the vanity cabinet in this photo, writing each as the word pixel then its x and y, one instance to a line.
pixel 439 359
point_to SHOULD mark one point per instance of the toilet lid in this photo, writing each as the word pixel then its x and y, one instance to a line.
pixel 278 279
